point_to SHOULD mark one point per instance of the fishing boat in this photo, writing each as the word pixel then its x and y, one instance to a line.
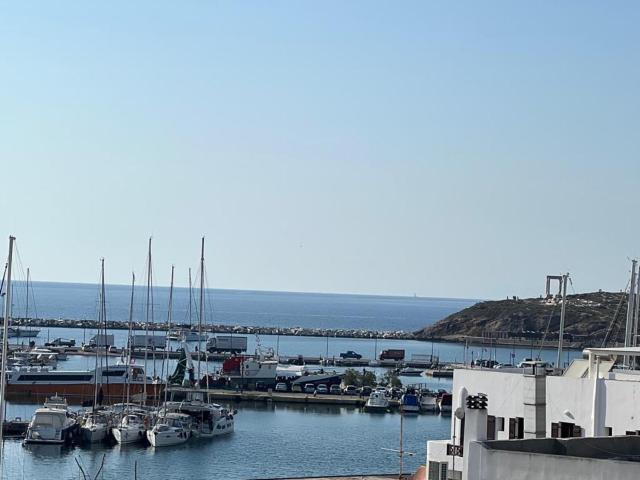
pixel 409 402
pixel 428 401
pixel 377 403
pixel 52 424
pixel 170 429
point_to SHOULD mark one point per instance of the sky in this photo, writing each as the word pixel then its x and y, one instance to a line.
pixel 456 149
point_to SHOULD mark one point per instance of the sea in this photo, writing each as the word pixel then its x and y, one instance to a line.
pixel 269 441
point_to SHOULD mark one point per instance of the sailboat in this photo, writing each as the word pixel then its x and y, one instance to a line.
pixel 208 419
pixel 170 428
pixel 95 424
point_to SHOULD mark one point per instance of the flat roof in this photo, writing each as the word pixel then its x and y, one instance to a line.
pixel 629 351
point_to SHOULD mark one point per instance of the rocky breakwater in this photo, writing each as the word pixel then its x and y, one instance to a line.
pixel 228 329
pixel 590 319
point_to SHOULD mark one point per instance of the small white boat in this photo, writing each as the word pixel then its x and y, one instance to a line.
pixel 131 429
pixel 95 427
pixel 377 403
pixel 410 372
pixel 428 401
pixel 171 429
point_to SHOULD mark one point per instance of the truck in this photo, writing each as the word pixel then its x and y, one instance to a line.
pixel 151 342
pixel 392 354
pixel 350 354
pixel 227 343
pixel 102 340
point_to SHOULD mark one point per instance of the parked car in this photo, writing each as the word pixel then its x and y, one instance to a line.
pixel 281 387
pixel 350 354
pixel 296 387
pixel 335 389
pixel 350 390
pixel 61 342
pixel 364 391
pixel 309 388
pixel 322 388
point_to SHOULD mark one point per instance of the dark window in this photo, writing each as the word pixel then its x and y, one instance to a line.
pixel 608 431
pixel 57 378
pixel 512 428
pixel 113 373
pixel 555 430
pixel 500 424
pixel 519 427
pixel 631 433
pixel 491 427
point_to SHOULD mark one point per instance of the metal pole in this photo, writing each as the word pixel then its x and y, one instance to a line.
pixel 630 310
pixel 562 314
pixel 636 317
pixel 5 347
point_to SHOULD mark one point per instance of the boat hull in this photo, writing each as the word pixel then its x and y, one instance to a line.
pixel 78 392
pixel 94 434
pixel 127 436
pixel 167 438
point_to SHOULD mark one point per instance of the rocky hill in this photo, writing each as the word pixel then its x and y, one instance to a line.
pixel 588 320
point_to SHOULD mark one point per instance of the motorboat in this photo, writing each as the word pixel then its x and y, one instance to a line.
pixel 52 424
pixel 410 372
pixel 409 402
pixel 377 402
pixel 131 429
pixel 170 429
pixel 428 401
pixel 444 402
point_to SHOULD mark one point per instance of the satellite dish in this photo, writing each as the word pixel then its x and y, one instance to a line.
pixel 459 413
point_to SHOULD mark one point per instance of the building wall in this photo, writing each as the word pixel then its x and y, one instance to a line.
pixel 571 400
pixel 504 390
pixel 499 464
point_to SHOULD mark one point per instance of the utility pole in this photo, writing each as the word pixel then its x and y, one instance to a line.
pixel 565 278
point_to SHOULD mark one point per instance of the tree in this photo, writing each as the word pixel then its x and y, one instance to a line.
pixel 390 379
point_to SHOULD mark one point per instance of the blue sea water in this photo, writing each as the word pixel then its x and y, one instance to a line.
pixel 240 307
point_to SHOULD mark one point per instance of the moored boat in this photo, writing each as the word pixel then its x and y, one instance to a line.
pixel 377 403
pixel 428 401
pixel 170 429
pixel 444 402
pixel 52 424
pixel 131 429
pixel 409 402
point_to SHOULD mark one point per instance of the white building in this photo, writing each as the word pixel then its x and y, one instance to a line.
pixel 591 399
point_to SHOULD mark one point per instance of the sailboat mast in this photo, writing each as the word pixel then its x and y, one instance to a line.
pixel 169 319
pixel 146 323
pixel 95 371
pixel 201 313
pixel 190 298
pixel 130 342
pixel 5 346
pixel 26 310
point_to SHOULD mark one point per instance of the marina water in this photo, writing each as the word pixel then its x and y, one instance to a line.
pixel 270 440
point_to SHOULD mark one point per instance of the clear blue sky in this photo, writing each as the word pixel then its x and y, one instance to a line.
pixel 461 149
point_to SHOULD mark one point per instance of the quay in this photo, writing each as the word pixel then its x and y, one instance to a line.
pixel 287 397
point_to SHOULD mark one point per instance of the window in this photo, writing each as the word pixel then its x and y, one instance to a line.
pixel 566 430
pixel 491 427
pixel 608 431
pixel 438 470
pixel 500 424
pixel 516 427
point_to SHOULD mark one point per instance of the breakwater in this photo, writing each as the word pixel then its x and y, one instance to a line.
pixel 223 329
